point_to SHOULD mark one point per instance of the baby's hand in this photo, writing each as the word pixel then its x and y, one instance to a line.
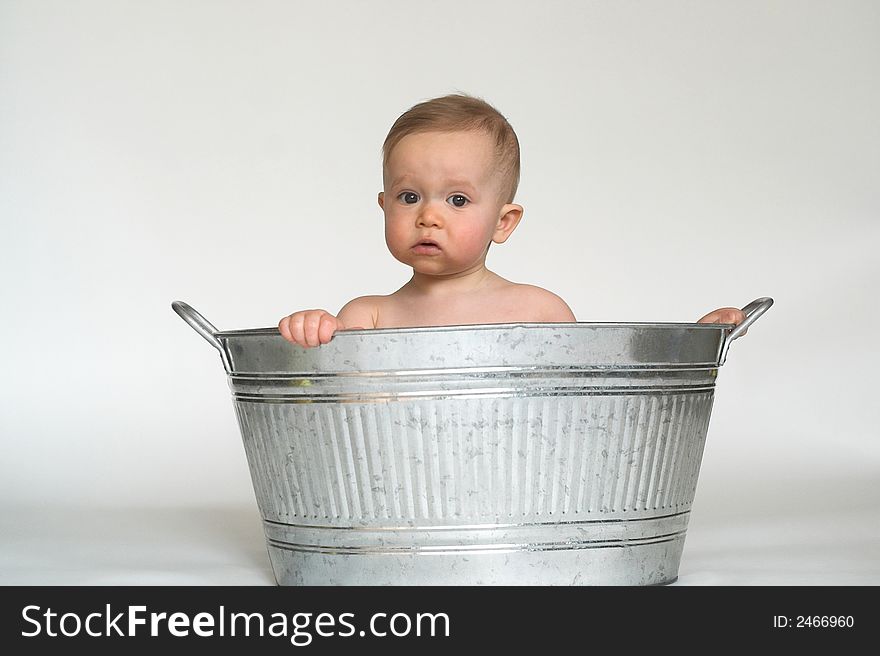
pixel 309 327
pixel 725 315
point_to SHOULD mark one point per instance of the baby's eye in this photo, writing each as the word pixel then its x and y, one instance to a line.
pixel 458 200
pixel 408 197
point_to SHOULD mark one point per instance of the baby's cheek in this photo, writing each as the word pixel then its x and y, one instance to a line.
pixel 474 239
pixel 393 236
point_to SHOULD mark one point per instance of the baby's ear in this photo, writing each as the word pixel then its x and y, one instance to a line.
pixel 382 199
pixel 508 219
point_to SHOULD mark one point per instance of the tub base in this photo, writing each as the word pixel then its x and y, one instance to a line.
pixel 601 552
pixel 636 566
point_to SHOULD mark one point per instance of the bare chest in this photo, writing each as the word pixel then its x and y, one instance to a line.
pixel 494 308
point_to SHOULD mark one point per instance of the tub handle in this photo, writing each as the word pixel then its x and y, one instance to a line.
pixel 752 311
pixel 203 327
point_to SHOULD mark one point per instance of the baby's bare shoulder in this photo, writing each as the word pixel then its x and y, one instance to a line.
pixel 544 304
pixel 360 312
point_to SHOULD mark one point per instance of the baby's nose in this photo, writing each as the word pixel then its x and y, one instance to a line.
pixel 430 216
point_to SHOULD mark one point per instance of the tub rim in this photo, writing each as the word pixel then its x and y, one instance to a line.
pixel 243 332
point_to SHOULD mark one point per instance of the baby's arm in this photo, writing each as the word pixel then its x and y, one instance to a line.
pixel 315 327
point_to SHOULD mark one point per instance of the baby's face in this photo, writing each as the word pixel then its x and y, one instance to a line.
pixel 442 187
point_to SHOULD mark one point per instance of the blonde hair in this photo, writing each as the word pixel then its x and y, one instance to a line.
pixel 459 113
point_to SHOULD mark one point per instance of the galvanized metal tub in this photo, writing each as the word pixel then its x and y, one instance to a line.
pixel 501 454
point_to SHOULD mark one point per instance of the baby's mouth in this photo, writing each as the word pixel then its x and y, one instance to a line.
pixel 426 247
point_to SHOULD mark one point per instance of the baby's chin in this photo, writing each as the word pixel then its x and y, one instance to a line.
pixel 411 259
pixel 436 265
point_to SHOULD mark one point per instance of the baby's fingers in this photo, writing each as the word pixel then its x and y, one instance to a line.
pixel 297 331
pixel 723 315
pixel 326 328
pixel 285 329
pixel 311 324
pixel 731 315
pixel 738 317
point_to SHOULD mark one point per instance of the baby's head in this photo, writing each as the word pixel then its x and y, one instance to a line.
pixel 462 113
pixel 450 173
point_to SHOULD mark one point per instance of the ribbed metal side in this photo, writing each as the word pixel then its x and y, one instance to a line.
pixel 437 462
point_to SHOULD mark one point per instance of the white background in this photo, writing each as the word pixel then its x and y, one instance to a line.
pixel 677 157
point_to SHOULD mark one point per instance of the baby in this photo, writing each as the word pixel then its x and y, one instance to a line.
pixel 450 173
